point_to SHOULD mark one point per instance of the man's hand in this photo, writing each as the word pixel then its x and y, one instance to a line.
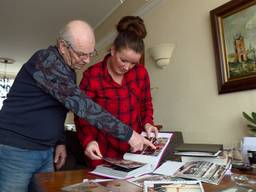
pixel 93 151
pixel 60 156
pixel 150 128
pixel 137 142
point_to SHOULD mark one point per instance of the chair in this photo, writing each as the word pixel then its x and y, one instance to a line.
pixel 75 153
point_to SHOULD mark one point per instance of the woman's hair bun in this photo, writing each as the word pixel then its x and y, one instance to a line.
pixel 132 24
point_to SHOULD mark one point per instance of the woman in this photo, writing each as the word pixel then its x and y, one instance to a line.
pixel 121 85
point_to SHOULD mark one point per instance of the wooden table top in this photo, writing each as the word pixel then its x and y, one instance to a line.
pixel 53 182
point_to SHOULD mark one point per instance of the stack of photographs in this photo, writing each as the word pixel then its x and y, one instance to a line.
pixel 173 186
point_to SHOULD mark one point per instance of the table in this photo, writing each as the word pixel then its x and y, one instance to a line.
pixel 53 182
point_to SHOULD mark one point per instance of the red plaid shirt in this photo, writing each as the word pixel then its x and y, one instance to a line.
pixel 130 102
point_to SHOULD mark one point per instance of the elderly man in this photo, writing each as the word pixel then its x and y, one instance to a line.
pixel 32 116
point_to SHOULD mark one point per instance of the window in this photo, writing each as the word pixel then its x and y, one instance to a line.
pixel 5 85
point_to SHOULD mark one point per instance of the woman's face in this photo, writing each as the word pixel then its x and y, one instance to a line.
pixel 124 60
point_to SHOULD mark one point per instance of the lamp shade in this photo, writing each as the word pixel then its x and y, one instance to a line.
pixel 162 54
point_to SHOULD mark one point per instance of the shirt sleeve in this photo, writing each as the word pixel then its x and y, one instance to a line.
pixel 62 139
pixel 54 77
pixel 86 132
pixel 146 103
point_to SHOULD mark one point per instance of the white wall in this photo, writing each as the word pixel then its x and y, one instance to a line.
pixel 187 98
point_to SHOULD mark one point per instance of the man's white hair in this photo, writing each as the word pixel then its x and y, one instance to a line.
pixel 66 33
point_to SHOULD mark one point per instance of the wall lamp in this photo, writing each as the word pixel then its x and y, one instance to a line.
pixel 162 54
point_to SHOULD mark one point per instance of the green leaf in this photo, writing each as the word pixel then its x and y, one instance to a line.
pixel 254 116
pixel 253 131
pixel 246 116
pixel 251 126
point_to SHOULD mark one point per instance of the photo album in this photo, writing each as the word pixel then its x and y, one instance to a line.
pixel 200 150
pixel 136 164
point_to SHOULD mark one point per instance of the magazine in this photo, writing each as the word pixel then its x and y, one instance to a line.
pixel 85 187
pixel 135 164
pixel 173 186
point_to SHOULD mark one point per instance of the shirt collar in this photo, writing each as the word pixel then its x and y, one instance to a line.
pixel 105 67
pixel 56 51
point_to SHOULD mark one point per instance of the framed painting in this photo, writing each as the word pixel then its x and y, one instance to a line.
pixel 234 38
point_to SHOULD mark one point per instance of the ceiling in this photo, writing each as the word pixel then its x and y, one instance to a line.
pixel 29 25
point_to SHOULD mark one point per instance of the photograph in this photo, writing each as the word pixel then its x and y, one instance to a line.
pixel 202 170
pixel 127 164
pixel 151 177
pixel 173 186
pixel 176 188
pixel 85 187
pixel 158 142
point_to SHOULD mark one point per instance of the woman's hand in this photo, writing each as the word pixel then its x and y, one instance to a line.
pixel 137 142
pixel 93 151
pixel 150 128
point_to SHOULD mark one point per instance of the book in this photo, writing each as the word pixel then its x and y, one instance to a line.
pixel 135 164
pixel 174 186
pixel 196 149
pixel 119 172
pixel 85 187
pixel 221 159
pixel 197 154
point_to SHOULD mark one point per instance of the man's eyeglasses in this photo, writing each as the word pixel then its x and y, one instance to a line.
pixel 80 54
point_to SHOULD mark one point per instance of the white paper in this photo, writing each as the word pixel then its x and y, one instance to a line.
pixel 96 180
pixel 248 143
pixel 168 168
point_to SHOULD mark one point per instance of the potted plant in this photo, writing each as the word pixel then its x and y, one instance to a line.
pixel 249 143
pixel 252 120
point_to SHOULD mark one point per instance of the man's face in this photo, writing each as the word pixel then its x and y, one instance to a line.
pixel 77 57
